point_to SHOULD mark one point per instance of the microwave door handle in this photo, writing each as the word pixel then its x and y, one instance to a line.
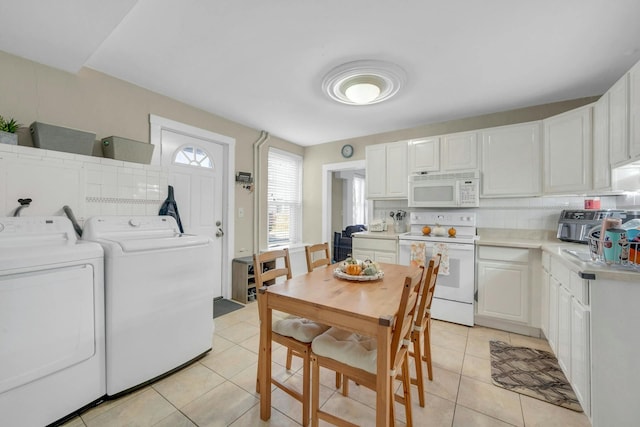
pixel 456 191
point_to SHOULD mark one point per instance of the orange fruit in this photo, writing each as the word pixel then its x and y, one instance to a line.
pixel 452 232
pixel 426 230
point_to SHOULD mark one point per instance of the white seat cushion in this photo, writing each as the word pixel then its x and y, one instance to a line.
pixel 348 347
pixel 304 330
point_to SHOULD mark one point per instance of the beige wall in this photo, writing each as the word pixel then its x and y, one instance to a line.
pixel 107 106
pixel 318 155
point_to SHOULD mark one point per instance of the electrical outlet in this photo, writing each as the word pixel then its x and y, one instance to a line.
pixel 240 212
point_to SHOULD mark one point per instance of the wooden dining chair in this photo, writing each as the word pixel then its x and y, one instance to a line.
pixel 354 355
pixel 294 333
pixel 313 261
pixel 421 332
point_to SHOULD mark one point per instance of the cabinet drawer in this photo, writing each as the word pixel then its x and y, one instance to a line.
pixel 560 272
pixel 580 288
pixel 503 254
pixel 374 244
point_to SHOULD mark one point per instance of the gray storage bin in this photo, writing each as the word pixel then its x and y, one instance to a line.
pixel 58 138
pixel 129 150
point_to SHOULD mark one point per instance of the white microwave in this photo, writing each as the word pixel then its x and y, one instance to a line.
pixel 445 190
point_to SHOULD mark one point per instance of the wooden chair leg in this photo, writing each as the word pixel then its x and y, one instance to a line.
pixel 345 386
pixel 306 387
pixel 417 357
pixel 427 350
pixel 315 392
pixel 406 385
pixel 258 375
pixel 289 358
pixel 338 380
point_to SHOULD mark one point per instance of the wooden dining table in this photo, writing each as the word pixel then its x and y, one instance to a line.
pixel 365 307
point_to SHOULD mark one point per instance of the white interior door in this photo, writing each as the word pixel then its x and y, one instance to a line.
pixel 196 172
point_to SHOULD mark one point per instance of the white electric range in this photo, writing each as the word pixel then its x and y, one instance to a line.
pixel 455 287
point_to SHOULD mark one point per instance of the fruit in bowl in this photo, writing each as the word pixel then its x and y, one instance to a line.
pixel 353 267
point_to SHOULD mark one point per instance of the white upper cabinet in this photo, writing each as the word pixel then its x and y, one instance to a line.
pixel 459 151
pixel 619 121
pixel 634 112
pixel 386 171
pixel 510 161
pixel 424 155
pixel 601 163
pixel 567 152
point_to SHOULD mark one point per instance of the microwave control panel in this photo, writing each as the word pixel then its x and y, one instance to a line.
pixel 468 193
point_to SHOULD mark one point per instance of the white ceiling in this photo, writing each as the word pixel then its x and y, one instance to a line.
pixel 261 63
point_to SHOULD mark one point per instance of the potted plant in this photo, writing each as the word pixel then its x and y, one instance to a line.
pixel 8 131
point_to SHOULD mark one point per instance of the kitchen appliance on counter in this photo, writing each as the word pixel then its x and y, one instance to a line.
pixel 453 300
pixel 574 225
pixel 442 190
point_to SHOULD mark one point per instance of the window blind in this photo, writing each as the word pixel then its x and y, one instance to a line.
pixel 284 198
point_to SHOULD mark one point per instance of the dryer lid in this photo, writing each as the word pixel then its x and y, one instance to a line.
pixel 134 244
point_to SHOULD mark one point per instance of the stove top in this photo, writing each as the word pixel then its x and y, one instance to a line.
pixel 463 222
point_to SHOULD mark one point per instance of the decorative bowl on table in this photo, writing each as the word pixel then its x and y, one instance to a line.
pixel 356 270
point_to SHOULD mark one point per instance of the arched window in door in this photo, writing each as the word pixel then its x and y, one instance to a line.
pixel 193 156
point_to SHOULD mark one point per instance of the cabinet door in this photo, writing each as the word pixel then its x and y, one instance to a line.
pixel 619 121
pixel 581 354
pixel 554 289
pixel 564 331
pixel 503 290
pixel 510 161
pixel 634 112
pixel 396 167
pixel 567 152
pixel 424 155
pixel 387 257
pixel 544 303
pixel 376 170
pixel 601 162
pixel 459 151
pixel 362 254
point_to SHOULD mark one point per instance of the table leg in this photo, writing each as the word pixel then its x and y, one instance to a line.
pixel 384 380
pixel 264 357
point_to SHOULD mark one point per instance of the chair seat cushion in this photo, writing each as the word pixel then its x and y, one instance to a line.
pixel 304 330
pixel 352 349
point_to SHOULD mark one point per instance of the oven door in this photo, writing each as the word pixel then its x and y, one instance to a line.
pixel 458 285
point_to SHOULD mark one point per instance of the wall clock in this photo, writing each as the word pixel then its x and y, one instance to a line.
pixel 347 151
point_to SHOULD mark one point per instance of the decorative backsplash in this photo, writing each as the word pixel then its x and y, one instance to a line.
pixel 89 185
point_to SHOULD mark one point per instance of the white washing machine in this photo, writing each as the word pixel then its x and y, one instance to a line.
pixel 52 348
pixel 158 297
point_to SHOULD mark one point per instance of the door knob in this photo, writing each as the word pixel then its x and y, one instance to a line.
pixel 219 233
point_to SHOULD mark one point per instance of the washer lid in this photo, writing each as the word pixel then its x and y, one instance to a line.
pixel 27 242
pixel 140 243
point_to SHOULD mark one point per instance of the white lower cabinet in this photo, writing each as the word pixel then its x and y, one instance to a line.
pixel 503 283
pixel 569 329
pixel 375 248
pixel 544 295
pixel 581 354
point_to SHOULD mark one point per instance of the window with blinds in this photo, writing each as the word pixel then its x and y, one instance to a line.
pixel 284 198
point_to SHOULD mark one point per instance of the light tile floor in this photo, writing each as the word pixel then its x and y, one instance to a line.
pixel 219 389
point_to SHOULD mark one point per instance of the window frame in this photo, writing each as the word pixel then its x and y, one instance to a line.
pixel 293 205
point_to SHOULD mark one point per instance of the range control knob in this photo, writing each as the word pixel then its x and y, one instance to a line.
pixel 134 223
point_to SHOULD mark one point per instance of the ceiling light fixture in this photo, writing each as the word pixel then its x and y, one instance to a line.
pixel 363 82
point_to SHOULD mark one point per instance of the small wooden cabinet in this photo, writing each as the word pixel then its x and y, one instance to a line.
pixel 503 283
pixel 386 171
pixel 459 151
pixel 243 283
pixel 510 161
pixel 375 248
pixel 424 155
pixel 567 151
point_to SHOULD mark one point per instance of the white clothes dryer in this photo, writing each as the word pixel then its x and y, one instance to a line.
pixel 159 297
pixel 52 348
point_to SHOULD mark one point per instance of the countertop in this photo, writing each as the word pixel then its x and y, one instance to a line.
pixel 547 242
pixel 389 235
